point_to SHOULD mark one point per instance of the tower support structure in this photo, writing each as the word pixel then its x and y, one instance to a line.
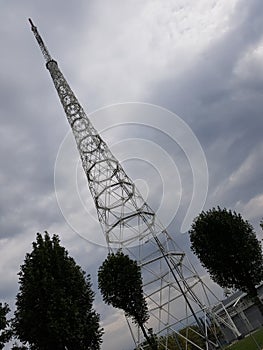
pixel 176 296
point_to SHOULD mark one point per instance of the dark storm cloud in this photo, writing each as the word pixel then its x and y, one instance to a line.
pixel 223 105
pixel 26 172
pixel 28 149
pixel 219 95
pixel 32 127
pixel 209 84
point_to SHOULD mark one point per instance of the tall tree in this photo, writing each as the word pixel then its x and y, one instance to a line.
pixel 228 248
pixel 54 303
pixel 5 332
pixel 120 283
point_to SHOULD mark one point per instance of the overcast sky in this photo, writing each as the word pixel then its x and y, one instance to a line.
pixel 190 140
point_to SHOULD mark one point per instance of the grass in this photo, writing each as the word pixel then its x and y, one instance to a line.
pixel 250 342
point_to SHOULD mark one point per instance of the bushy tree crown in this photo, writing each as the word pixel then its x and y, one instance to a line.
pixel 54 303
pixel 228 248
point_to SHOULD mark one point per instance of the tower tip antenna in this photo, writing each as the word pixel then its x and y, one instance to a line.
pixel 40 41
pixel 31 22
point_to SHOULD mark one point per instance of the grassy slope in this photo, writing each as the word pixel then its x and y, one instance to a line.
pixel 249 343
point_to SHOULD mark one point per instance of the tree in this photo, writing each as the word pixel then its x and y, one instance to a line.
pixel 5 332
pixel 120 283
pixel 228 248
pixel 54 303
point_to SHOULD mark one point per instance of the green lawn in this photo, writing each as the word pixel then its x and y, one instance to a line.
pixel 251 342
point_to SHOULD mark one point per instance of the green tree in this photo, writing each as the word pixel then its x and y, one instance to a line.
pixel 5 332
pixel 228 248
pixel 54 303
pixel 120 283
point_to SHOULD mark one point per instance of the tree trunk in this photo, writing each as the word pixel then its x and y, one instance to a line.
pixel 150 341
pixel 254 296
pixel 259 304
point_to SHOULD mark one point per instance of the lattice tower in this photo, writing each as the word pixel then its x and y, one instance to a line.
pixel 176 296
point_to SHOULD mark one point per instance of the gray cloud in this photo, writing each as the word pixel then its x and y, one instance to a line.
pixel 221 97
pixel 113 52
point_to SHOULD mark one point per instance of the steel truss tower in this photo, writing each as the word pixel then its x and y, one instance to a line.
pixel 176 296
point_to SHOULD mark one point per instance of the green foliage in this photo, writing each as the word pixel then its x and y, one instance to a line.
pixel 151 342
pixel 120 283
pixel 5 332
pixel 228 248
pixel 54 303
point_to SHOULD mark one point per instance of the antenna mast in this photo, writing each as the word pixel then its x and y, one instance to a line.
pixel 42 46
pixel 172 287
